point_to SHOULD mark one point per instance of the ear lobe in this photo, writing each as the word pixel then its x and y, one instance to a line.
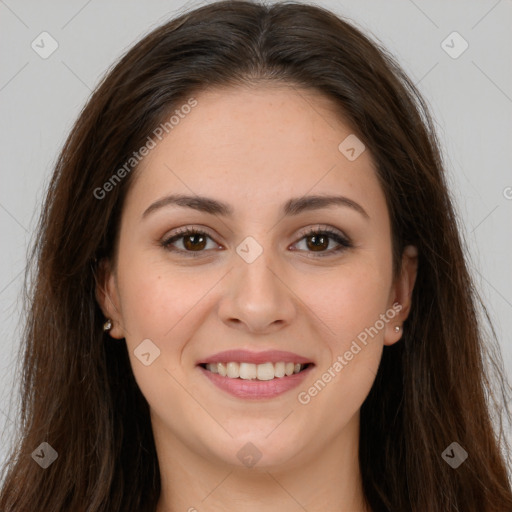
pixel 107 297
pixel 402 293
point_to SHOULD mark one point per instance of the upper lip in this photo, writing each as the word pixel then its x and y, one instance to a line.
pixel 247 356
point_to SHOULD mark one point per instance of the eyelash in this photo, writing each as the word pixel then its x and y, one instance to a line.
pixel 344 243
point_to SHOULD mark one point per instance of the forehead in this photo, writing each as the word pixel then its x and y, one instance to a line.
pixel 259 144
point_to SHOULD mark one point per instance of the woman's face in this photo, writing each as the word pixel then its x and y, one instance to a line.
pixel 256 282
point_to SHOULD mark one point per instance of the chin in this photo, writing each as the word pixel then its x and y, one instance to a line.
pixel 258 450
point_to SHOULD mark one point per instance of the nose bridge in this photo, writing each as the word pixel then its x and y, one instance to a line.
pixel 253 268
pixel 258 296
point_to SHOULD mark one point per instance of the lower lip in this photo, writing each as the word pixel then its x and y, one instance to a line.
pixel 257 389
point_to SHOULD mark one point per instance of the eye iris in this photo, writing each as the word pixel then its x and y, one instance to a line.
pixel 193 245
pixel 319 242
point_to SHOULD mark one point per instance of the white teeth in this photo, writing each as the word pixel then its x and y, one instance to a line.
pixel 250 371
pixel 221 368
pixel 233 370
pixel 213 368
pixel 279 370
pixel 265 371
pixel 247 371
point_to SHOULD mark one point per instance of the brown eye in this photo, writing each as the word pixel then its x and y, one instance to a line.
pixel 317 242
pixel 193 242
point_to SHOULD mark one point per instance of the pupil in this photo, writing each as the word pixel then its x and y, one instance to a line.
pixel 194 243
pixel 318 241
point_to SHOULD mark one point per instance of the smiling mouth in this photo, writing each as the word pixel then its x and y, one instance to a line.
pixel 251 371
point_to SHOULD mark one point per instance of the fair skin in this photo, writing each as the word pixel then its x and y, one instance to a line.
pixel 254 149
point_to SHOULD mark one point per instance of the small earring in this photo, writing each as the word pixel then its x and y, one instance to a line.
pixel 107 325
pixel 397 328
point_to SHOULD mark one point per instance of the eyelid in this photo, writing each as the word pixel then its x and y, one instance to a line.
pixel 187 229
pixel 322 228
pixel 303 232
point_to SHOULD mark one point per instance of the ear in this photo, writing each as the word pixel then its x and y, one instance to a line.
pixel 401 294
pixel 107 296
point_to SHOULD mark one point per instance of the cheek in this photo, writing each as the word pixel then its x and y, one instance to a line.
pixel 162 302
pixel 151 304
pixel 162 306
pixel 348 301
pixel 351 310
pixel 351 307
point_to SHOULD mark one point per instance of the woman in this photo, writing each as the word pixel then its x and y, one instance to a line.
pixel 250 291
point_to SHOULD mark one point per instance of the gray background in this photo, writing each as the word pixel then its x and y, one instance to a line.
pixel 470 97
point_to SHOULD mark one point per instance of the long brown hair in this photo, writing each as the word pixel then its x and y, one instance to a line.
pixel 433 388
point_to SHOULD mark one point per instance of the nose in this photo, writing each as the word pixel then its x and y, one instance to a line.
pixel 258 296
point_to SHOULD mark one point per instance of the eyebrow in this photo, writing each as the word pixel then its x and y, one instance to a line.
pixel 293 206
